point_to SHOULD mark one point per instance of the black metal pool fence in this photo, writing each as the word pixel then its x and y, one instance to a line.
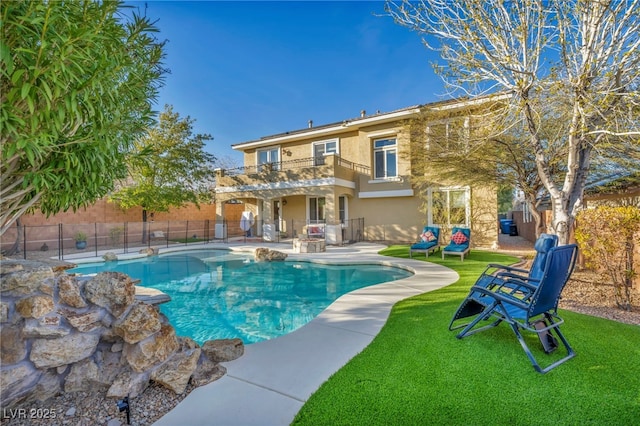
pixel 68 241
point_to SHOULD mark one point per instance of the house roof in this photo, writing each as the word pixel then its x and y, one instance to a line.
pixel 603 183
pixel 364 120
pixel 612 183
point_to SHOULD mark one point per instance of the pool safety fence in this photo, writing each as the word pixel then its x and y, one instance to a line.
pixel 69 241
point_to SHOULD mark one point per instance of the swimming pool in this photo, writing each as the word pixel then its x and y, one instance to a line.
pixel 218 294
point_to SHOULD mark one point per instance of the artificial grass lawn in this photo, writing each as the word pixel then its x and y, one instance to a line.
pixel 416 372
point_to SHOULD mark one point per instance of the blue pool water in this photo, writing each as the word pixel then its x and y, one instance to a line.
pixel 218 294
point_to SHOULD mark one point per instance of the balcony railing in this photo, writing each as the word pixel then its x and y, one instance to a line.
pixel 297 164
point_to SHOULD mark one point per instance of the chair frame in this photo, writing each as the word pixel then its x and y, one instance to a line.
pixel 514 297
pixel 426 252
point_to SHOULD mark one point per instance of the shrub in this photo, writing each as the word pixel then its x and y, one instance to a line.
pixel 607 237
pixel 115 235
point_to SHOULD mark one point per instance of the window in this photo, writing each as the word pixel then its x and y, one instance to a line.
pixel 449 207
pixel 342 209
pixel 268 156
pixel 320 149
pixel 385 163
pixel 316 209
pixel 449 135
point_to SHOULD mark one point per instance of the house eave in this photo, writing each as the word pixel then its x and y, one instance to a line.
pixel 347 125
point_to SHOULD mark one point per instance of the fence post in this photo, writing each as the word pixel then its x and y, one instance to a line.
pixel 186 234
pixel 60 243
pixel 95 237
pixel 126 237
pixel 24 241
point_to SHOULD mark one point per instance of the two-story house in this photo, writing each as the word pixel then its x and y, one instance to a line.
pixel 350 181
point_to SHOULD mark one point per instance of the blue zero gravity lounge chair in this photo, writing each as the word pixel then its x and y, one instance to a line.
pixel 496 275
pixel 459 243
pixel 525 306
pixel 429 241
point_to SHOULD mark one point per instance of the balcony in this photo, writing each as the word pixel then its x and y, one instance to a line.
pixel 289 174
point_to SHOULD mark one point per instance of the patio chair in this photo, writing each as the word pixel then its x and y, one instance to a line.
pixel 428 243
pixel 534 309
pixel 459 243
pixel 315 231
pixel 497 275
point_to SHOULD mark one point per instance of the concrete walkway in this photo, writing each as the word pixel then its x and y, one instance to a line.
pixel 268 385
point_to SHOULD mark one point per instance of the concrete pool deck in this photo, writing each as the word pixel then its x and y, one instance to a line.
pixel 268 385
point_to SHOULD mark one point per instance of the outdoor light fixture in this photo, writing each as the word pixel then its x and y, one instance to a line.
pixel 284 202
pixel 123 405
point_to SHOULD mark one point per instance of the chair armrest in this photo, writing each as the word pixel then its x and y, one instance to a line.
pixel 508 275
pixel 520 282
pixel 501 297
pixel 507 268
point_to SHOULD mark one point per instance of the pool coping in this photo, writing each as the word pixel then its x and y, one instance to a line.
pixel 273 379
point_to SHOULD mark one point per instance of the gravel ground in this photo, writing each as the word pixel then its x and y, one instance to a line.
pixel 89 409
pixel 584 293
pixel 587 294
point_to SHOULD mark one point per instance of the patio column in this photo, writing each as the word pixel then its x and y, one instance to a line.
pixel 333 228
pixel 330 206
pixel 266 220
pixel 219 230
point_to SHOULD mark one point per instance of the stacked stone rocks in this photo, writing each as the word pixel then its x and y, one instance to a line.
pixel 263 254
pixel 62 333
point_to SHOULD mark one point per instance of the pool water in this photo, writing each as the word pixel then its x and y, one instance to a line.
pixel 218 294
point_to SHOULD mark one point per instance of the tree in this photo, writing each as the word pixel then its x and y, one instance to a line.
pixel 78 81
pixel 473 145
pixel 573 63
pixel 168 167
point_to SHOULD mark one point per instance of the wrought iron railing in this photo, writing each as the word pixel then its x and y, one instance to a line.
pixel 294 165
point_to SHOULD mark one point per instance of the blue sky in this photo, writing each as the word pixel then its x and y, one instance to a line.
pixel 244 70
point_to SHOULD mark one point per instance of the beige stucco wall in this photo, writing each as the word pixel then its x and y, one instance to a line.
pixel 389 213
pixel 391 219
pixel 354 146
pixel 484 213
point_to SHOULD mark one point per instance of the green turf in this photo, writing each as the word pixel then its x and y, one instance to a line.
pixel 416 372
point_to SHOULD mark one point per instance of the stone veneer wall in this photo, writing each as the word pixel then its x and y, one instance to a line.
pixel 62 333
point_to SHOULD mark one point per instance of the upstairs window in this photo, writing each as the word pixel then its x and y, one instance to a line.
pixel 449 135
pixel 385 158
pixel 320 149
pixel 269 156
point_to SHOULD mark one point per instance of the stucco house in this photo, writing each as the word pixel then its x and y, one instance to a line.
pixel 349 181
